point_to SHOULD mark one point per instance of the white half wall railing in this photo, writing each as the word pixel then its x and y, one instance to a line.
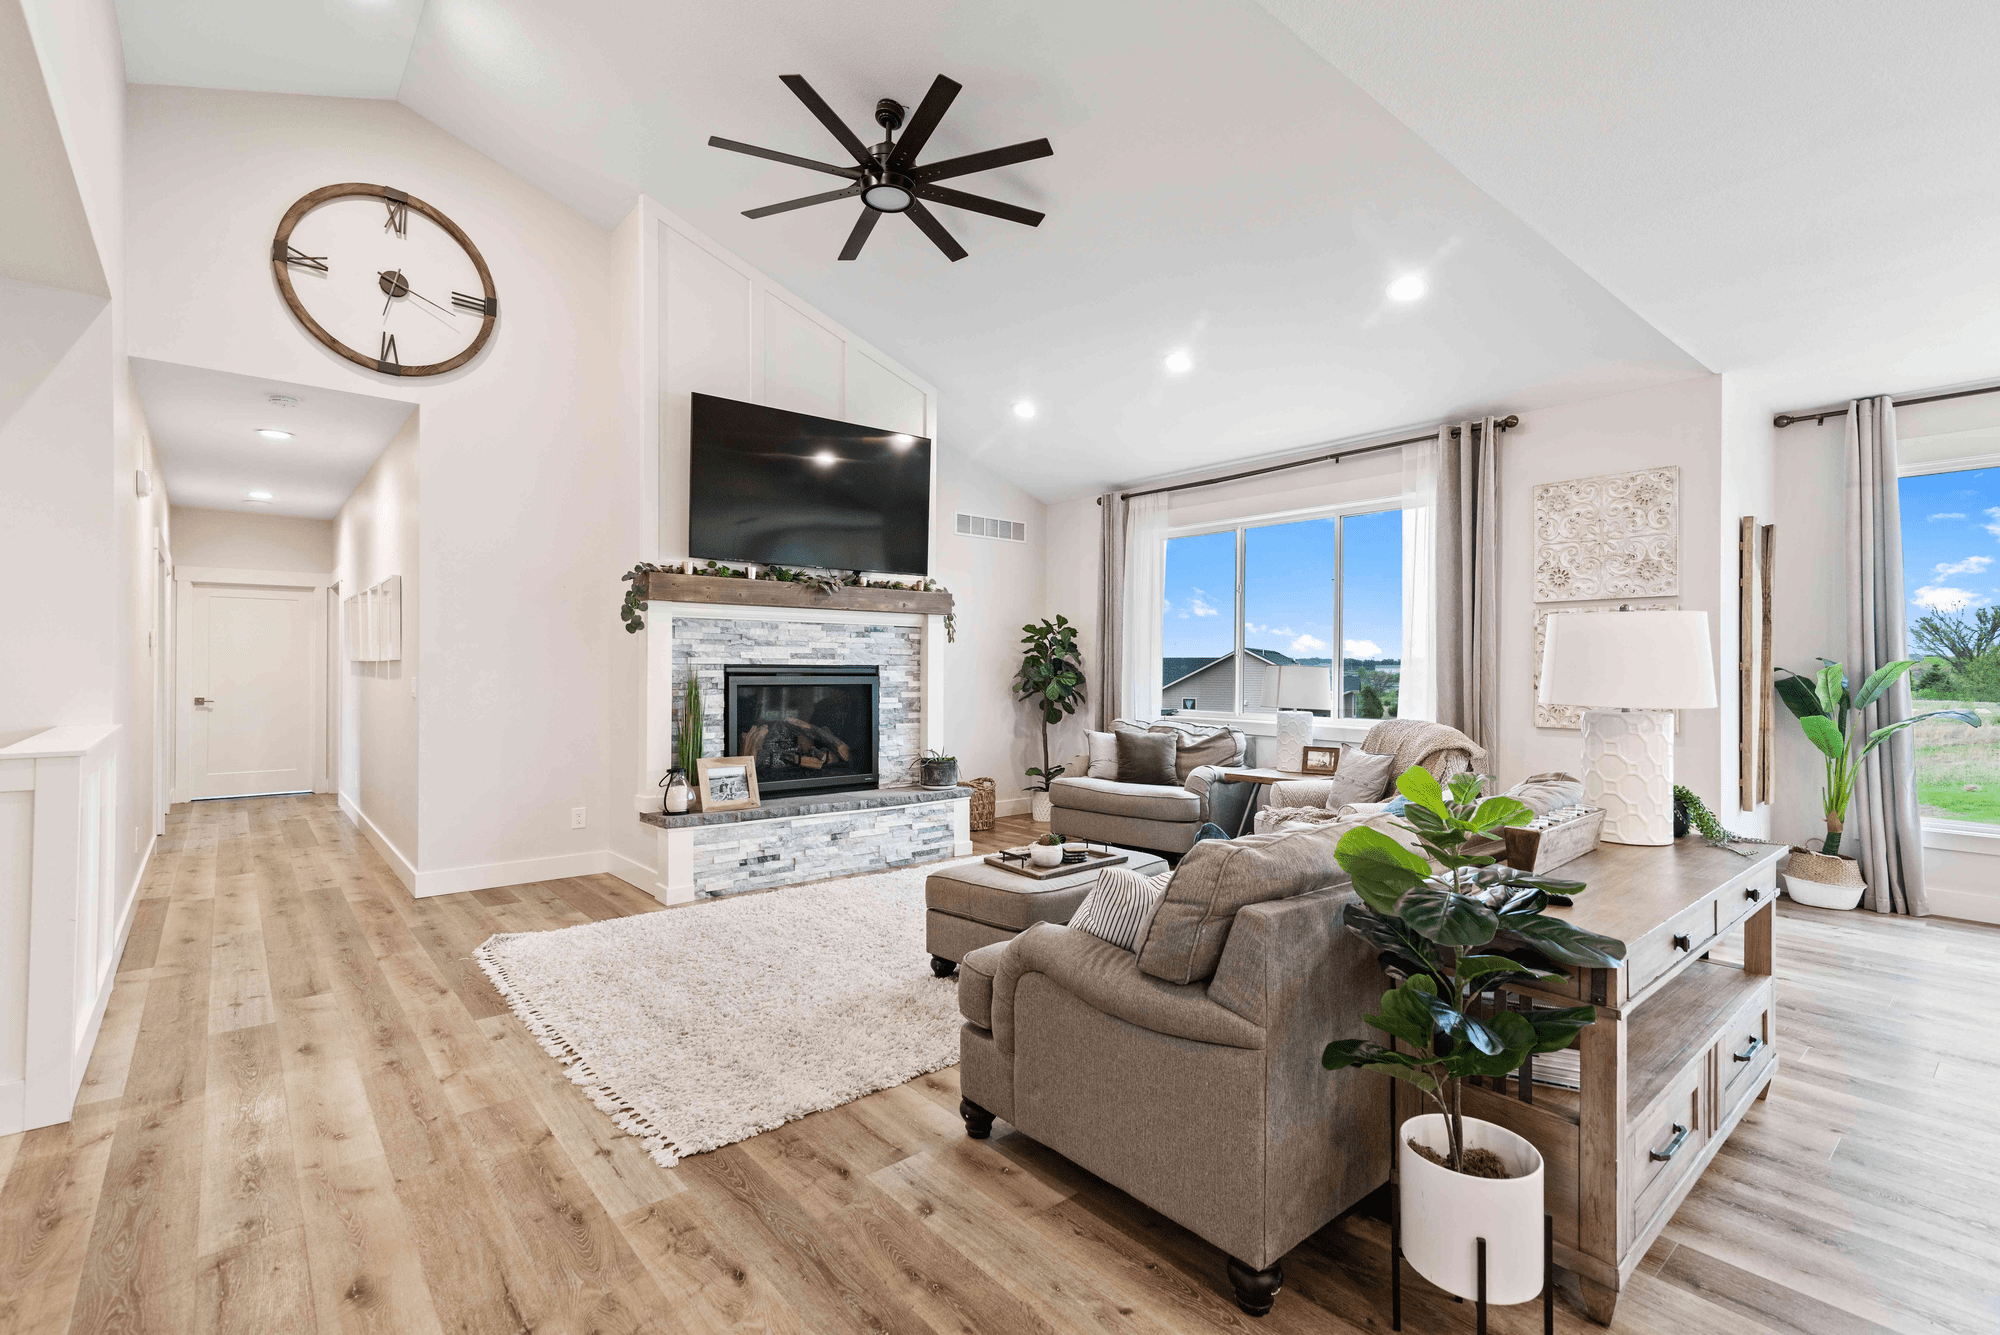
pixel 61 922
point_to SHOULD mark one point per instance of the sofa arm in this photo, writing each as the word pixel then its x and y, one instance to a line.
pixel 1222 801
pixel 1108 978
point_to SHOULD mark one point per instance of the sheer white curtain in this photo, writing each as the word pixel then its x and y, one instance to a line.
pixel 1145 588
pixel 1417 694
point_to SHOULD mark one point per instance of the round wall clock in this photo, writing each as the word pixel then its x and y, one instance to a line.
pixel 384 279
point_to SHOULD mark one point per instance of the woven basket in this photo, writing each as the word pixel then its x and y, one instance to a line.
pixel 1823 869
pixel 982 802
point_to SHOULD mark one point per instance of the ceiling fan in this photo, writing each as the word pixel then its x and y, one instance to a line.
pixel 887 177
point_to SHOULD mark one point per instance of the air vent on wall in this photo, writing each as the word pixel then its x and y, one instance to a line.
pixel 1007 530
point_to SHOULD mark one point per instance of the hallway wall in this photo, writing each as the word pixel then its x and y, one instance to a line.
pixel 233 539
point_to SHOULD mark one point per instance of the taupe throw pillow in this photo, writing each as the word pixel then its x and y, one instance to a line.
pixel 1362 777
pixel 1220 876
pixel 1224 746
pixel 1146 757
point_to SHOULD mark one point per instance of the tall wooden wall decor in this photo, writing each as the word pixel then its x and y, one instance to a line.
pixel 1768 556
pixel 1754 549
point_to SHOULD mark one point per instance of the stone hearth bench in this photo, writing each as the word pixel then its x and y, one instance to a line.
pixel 807 837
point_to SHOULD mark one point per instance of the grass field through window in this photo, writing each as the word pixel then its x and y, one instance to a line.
pixel 1958 768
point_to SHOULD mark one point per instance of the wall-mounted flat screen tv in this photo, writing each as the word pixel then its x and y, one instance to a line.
pixel 784 488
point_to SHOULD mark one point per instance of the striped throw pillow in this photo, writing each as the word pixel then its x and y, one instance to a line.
pixel 1120 906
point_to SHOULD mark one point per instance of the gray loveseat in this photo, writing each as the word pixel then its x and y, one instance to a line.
pixel 1187 1074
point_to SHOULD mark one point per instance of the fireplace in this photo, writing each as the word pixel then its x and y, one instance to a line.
pixel 810 728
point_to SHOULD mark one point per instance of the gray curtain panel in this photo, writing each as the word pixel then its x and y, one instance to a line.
pixel 1883 819
pixel 1109 669
pixel 1468 580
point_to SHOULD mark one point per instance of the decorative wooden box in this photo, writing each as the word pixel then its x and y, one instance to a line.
pixel 1549 843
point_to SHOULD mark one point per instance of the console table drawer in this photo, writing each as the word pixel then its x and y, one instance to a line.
pixel 1743 1055
pixel 1687 933
pixel 1736 905
pixel 1666 1143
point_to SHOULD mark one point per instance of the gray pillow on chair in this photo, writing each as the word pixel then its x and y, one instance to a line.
pixel 1147 757
pixel 1362 777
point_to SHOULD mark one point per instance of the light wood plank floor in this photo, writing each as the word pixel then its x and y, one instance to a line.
pixel 309 1112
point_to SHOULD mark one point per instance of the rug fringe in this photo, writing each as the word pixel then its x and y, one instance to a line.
pixel 623 1115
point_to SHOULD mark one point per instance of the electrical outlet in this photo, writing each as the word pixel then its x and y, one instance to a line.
pixel 576 818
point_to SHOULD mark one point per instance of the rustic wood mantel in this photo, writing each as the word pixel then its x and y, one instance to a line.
pixel 665 586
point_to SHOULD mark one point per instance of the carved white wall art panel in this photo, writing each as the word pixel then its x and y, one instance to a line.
pixel 1616 536
pixel 1571 716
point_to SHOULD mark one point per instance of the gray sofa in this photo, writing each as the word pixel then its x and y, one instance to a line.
pixel 1159 817
pixel 1187 1073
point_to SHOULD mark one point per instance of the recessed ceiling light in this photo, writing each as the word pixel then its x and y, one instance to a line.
pixel 257 495
pixel 1179 362
pixel 1409 287
pixel 272 433
pixel 826 458
pixel 1024 409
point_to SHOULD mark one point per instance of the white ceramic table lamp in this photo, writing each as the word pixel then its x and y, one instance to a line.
pixel 1628 670
pixel 1292 690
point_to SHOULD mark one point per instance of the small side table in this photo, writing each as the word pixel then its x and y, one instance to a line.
pixel 1263 778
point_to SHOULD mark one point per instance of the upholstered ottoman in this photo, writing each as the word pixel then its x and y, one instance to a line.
pixel 976 904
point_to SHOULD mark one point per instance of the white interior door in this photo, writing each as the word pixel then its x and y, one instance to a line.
pixel 251 682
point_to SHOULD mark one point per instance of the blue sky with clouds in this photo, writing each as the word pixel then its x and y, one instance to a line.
pixel 1288 603
pixel 1951 540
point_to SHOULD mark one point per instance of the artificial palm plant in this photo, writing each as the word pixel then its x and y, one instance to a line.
pixel 1830 714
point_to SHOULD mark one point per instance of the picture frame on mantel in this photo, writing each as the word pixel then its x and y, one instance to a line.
pixel 727 783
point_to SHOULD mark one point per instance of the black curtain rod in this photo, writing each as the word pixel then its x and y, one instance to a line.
pixel 1819 415
pixel 1510 421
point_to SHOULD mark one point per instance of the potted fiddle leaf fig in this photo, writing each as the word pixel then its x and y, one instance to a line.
pixel 1829 714
pixel 1434 915
pixel 1051 679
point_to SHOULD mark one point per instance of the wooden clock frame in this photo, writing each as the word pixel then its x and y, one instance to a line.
pixel 284 255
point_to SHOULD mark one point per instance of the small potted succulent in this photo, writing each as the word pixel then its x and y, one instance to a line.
pixel 1830 716
pixel 1047 851
pixel 1434 919
pixel 938 770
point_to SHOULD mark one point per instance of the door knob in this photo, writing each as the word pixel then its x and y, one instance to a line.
pixel 200 701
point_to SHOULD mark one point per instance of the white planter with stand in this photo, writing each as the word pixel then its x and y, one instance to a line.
pixel 1444 1214
pixel 1038 807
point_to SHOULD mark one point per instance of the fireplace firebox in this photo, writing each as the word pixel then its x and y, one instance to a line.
pixel 811 728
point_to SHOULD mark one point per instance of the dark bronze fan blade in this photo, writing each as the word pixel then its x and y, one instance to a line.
pixel 986 161
pixel 716 141
pixel 922 121
pixel 932 228
pixel 807 202
pixel 958 199
pixel 858 238
pixel 837 127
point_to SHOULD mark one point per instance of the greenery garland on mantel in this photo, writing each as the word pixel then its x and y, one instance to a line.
pixel 633 610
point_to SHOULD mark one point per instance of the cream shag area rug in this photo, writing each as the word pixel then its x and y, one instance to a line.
pixel 700 1026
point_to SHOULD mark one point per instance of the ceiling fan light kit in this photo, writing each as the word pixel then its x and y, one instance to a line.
pixel 887 177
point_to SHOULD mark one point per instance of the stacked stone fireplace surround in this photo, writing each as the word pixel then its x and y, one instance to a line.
pixel 822 835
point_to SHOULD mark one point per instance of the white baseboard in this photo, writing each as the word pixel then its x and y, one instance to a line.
pixel 13 1107
pixel 1012 806
pixel 633 873
pixel 383 845
pixel 1970 905
pixel 460 880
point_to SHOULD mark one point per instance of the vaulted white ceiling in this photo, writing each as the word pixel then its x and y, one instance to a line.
pixel 1803 190
pixel 1216 187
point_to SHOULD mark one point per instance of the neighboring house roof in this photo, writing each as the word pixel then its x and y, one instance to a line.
pixel 1178 670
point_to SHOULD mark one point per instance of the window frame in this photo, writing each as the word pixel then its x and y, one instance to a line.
pixel 1336 727
pixel 1937 831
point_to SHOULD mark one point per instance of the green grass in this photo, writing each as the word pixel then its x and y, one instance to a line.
pixel 1953 758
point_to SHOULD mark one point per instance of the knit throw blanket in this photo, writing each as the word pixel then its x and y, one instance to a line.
pixel 1442 750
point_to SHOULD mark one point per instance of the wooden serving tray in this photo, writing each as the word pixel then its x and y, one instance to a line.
pixel 1552 846
pixel 1022 867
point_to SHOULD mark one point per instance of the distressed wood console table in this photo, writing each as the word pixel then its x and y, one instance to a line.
pixel 1684 1044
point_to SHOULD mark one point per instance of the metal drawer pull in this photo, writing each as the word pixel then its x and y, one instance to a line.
pixel 1682 943
pixel 1751 1051
pixel 1753 894
pixel 1673 1146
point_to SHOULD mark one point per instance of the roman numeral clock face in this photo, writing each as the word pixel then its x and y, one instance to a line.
pixel 384 279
